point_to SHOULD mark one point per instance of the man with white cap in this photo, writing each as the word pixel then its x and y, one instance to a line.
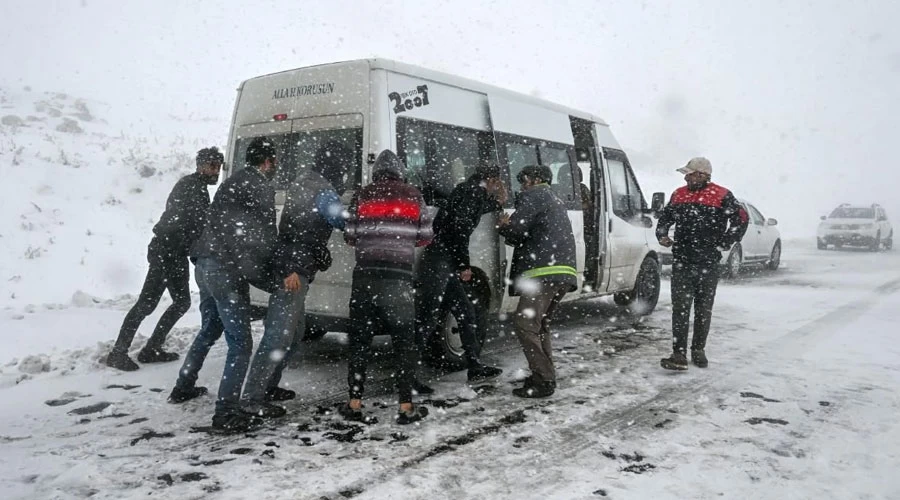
pixel 708 219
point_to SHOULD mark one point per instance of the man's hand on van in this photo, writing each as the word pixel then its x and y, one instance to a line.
pixel 497 189
pixel 665 241
pixel 292 283
pixel 503 220
pixel 466 274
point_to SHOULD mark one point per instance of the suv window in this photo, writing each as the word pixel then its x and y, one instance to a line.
pixel 852 213
pixel 757 217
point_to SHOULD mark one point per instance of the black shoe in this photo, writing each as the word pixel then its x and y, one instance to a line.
pixel 156 356
pixel 180 395
pixel 119 360
pixel 535 390
pixel 352 415
pixel 417 414
pixel 235 422
pixel 677 361
pixel 480 373
pixel 279 394
pixel 265 410
pixel 698 357
pixel 421 388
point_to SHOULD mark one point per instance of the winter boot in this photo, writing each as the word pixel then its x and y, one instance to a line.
pixel 265 410
pixel 480 373
pixel 279 394
pixel 235 422
pixel 698 357
pixel 352 415
pixel 535 390
pixel 409 417
pixel 421 388
pixel 180 395
pixel 677 361
pixel 118 359
pixel 151 355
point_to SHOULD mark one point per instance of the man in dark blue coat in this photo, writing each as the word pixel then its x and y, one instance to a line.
pixel 233 253
pixel 177 230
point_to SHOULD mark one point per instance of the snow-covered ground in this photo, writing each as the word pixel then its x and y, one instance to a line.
pixel 799 401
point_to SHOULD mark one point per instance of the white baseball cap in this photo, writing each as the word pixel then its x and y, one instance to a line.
pixel 698 164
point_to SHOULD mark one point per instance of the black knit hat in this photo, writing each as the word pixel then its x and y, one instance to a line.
pixel 538 172
pixel 259 150
pixel 208 156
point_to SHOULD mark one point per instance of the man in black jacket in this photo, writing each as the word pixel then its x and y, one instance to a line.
pixel 543 271
pixel 311 212
pixel 233 253
pixel 179 227
pixel 707 219
pixel 445 265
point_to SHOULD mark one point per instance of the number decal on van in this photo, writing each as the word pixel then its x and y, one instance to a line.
pixel 410 99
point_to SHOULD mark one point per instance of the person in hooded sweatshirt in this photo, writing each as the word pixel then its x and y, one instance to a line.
pixel 387 222
pixel 234 252
pixel 177 230
pixel 312 210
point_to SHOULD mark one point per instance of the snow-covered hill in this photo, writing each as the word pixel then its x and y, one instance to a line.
pixel 82 185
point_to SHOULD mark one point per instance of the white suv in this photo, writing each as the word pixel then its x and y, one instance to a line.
pixel 865 226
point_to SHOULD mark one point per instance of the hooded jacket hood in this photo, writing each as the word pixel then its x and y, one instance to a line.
pixel 387 166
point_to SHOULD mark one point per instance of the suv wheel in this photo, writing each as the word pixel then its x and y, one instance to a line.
pixel 820 244
pixel 775 257
pixel 889 241
pixel 733 264
pixel 876 243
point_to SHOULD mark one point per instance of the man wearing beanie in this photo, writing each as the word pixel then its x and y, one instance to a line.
pixel 179 227
pixel 708 219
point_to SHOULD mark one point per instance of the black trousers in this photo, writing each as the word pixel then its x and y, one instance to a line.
pixel 438 282
pixel 167 271
pixel 376 304
pixel 692 285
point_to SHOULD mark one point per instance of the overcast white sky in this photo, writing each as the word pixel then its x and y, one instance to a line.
pixel 794 102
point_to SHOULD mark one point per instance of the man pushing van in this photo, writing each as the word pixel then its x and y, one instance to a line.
pixel 179 227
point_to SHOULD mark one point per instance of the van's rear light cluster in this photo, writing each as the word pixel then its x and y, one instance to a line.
pixel 280 117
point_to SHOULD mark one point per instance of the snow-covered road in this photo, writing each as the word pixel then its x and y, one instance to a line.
pixel 798 402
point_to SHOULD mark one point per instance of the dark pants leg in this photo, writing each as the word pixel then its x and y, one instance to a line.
pixel 439 282
pixel 178 284
pixel 151 292
pixel 211 329
pixel 692 286
pixel 705 287
pixel 532 325
pixel 387 302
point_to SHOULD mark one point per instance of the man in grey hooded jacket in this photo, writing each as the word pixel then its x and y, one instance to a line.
pixel 311 212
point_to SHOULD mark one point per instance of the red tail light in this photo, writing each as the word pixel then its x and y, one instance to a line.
pixel 393 209
pixel 280 117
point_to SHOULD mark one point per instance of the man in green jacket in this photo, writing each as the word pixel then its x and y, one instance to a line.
pixel 543 271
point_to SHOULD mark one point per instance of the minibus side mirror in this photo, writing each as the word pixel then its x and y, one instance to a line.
pixel 823 217
pixel 772 222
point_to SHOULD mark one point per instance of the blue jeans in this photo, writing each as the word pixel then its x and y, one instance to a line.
pixel 224 305
pixel 285 324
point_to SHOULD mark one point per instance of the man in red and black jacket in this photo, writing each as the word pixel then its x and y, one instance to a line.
pixel 708 219
pixel 387 222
